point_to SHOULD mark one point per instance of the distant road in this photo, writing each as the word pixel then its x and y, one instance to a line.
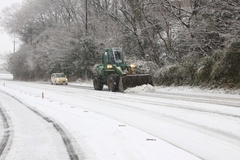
pixel 6 76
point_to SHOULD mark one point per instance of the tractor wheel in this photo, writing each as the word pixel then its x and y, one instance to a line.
pixel 97 83
pixel 113 82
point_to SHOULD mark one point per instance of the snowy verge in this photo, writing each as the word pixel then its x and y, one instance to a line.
pixel 196 89
pixel 151 89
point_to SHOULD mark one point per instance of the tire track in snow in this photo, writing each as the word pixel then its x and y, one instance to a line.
pixel 232 102
pixel 204 129
pixel 67 142
pixel 7 132
pixel 178 106
pixel 223 101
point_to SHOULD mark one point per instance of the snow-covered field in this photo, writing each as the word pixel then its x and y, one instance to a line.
pixel 43 121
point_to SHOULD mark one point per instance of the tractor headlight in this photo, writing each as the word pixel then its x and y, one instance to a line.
pixel 133 65
pixel 109 66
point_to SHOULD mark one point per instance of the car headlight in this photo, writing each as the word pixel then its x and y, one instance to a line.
pixel 109 66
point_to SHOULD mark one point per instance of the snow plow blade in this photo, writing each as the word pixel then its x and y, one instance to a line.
pixel 130 81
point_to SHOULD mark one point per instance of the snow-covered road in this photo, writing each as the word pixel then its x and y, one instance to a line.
pixel 43 121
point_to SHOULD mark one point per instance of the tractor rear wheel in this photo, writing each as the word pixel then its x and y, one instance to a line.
pixel 113 82
pixel 97 83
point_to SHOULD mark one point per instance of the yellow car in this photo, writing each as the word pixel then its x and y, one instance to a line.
pixel 59 78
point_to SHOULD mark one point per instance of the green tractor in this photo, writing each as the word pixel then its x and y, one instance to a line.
pixel 114 73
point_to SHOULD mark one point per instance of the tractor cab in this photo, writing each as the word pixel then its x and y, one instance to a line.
pixel 113 56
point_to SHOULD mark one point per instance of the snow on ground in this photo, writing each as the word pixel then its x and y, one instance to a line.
pixel 146 88
pixel 98 136
pixel 149 88
pixel 140 124
pixel 31 134
pixel 198 89
pixel 6 76
pixel 177 89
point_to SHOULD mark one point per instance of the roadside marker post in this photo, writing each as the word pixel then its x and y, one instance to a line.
pixel 42 95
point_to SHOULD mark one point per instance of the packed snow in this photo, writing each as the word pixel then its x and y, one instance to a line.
pixel 145 122
pixel 141 89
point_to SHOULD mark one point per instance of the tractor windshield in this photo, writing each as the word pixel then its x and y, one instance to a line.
pixel 111 58
pixel 114 56
pixel 118 56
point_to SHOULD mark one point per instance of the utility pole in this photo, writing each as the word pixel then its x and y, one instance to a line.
pixel 86 16
pixel 14 45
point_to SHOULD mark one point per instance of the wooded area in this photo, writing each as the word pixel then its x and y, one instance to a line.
pixel 194 42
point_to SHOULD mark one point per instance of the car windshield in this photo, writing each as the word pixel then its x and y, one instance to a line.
pixel 60 75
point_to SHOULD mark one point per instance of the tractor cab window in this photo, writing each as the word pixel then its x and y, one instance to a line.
pixel 114 57
pixel 118 56
pixel 111 58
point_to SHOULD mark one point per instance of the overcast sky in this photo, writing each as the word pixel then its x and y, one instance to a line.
pixel 6 42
